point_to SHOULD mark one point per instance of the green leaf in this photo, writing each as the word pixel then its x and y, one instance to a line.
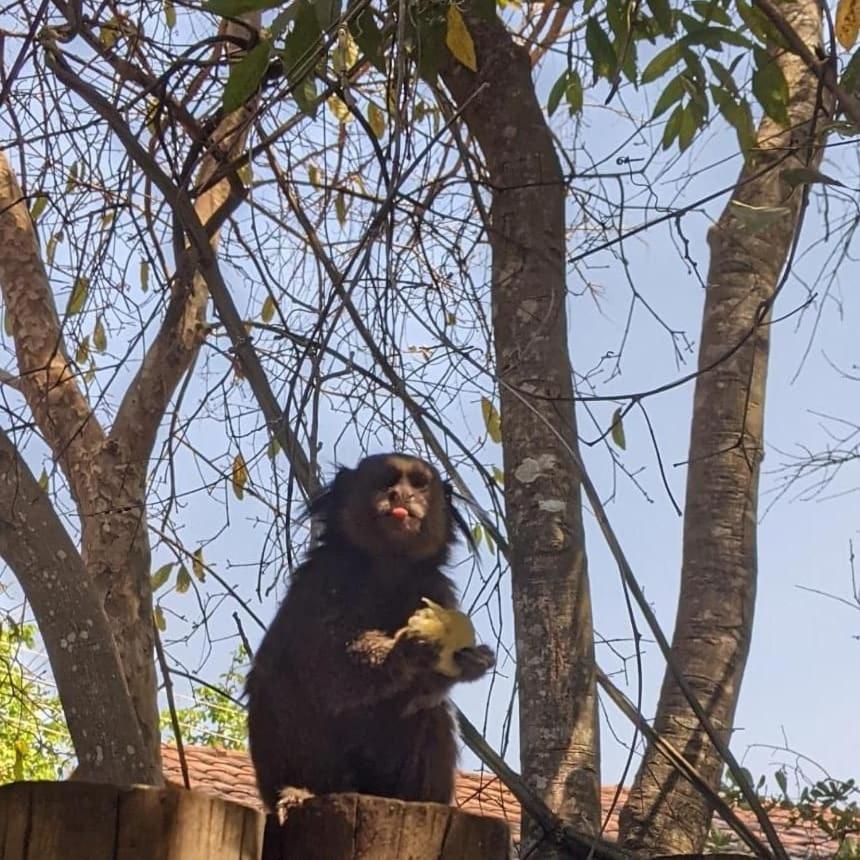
pixel 7 324
pixel 160 577
pixel 38 207
pixel 850 79
pixel 459 40
pixel 662 13
pixel 376 119
pixel 662 62
pixel 305 95
pixel 569 85
pixel 709 10
pixel 273 448
pixel 79 296
pixel 235 8
pixel 432 33
pixel 687 127
pixel 574 93
pixel 670 130
pixel 268 311
pixel 169 14
pixel 601 50
pixel 492 420
pixel 498 476
pixel 246 75
pixel 477 534
pixel 723 75
pixel 327 12
pixel 239 476
pixel 781 780
pixel 770 87
pixel 144 275
pixel 99 336
pixel 43 479
pixel 20 754
pixel 618 429
pixel 368 37
pixel 674 92
pixel 158 617
pixel 556 93
pixel 183 580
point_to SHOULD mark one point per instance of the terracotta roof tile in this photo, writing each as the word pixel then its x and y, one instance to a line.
pixel 229 774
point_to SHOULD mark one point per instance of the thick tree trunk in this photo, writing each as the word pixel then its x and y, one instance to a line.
pixel 552 608
pixel 664 813
pixel 107 472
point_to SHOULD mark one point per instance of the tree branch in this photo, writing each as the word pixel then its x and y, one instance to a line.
pixel 183 327
pixel 46 374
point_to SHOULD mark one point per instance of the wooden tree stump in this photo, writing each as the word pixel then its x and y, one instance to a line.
pixel 86 821
pixel 360 827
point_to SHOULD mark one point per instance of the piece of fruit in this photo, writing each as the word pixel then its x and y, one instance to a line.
pixel 450 629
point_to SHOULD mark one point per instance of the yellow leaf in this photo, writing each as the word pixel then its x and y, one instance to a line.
pixel 246 174
pixel 160 623
pixel 144 275
pixel 197 564
pixel 78 297
pixel 38 207
pixel 157 579
pixel 52 247
pixel 346 53
pixel 492 420
pixel 315 176
pixel 7 324
pixel 83 351
pixel 274 448
pixel 240 476
pixel 618 429
pixel 99 336
pixel 340 207
pixel 847 22
pixel 268 310
pixel 459 41
pixel 339 109
pixel 43 480
pixel 72 178
pixel 376 119
pixel 183 580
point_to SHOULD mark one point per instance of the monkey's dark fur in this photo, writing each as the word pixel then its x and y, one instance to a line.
pixel 336 702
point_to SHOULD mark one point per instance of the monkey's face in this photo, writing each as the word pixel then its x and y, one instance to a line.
pixel 393 505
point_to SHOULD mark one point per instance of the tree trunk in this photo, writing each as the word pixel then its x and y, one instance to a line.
pixel 559 740
pixel 107 472
pixel 664 814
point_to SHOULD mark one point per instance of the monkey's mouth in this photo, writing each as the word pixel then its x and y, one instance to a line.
pixel 401 520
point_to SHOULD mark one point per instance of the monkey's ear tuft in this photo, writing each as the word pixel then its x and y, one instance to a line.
pixel 323 504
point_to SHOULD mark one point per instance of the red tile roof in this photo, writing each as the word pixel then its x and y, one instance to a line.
pixel 230 775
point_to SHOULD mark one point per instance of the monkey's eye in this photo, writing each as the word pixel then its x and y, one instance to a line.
pixel 389 477
pixel 419 480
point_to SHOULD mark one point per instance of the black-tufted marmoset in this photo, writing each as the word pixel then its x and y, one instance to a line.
pixel 348 689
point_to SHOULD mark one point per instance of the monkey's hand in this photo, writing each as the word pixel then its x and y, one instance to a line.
pixel 451 633
pixel 474 662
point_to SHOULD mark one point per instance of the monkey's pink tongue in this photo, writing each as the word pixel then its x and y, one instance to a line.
pixel 399 513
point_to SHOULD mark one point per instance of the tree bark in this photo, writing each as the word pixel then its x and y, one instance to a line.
pixel 559 739
pixel 74 627
pixel 664 814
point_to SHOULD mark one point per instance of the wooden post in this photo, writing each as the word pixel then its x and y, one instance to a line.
pixel 360 827
pixel 87 821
